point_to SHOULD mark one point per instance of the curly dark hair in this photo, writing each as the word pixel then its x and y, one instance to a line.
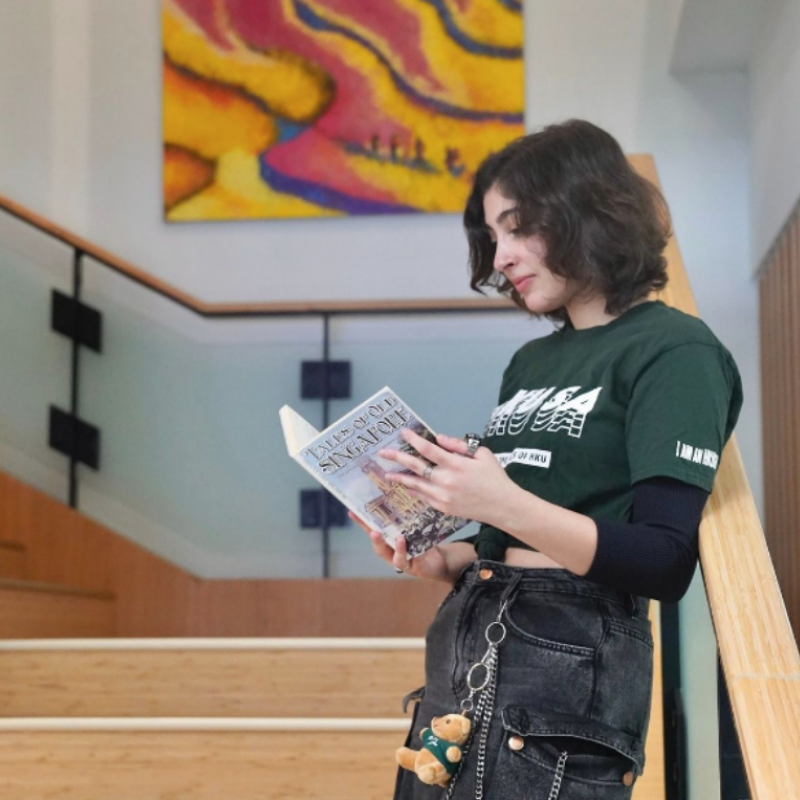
pixel 603 224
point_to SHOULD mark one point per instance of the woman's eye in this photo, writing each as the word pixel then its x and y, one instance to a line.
pixel 514 232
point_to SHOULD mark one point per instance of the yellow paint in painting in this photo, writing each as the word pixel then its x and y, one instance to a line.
pixel 238 78
pixel 288 84
pixel 238 192
pixel 438 132
pixel 211 120
pixel 438 192
pixel 488 22
pixel 469 80
pixel 487 84
pixel 184 175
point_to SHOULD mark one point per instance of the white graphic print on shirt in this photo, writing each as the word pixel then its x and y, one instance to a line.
pixel 562 411
pixel 532 457
pixel 697 455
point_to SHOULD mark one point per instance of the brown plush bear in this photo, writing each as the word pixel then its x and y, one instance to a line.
pixel 438 760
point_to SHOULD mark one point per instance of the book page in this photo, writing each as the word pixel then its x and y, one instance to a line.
pixel 296 431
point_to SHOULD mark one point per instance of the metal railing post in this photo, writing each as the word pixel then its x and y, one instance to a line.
pixel 326 360
pixel 77 285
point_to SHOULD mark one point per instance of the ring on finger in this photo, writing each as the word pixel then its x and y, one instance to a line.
pixel 428 470
pixel 473 443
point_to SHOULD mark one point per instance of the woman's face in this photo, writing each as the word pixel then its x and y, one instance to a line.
pixel 520 259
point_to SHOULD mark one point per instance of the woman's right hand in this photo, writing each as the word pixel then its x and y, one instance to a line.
pixel 431 565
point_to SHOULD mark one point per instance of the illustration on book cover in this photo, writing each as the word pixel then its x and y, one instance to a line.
pixel 345 459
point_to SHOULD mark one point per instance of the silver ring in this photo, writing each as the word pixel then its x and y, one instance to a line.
pixel 473 443
pixel 428 470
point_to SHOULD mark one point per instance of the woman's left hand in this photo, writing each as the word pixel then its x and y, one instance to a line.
pixel 473 488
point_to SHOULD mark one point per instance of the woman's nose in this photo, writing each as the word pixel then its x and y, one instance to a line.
pixel 502 257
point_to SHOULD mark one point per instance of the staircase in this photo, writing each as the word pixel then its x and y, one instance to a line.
pixel 211 719
pixel 204 719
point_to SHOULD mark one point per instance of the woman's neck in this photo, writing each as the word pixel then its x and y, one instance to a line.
pixel 592 313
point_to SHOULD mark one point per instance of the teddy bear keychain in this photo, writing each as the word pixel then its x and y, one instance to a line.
pixel 446 742
pixel 442 749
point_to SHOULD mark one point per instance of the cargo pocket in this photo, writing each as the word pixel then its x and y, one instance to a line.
pixel 601 762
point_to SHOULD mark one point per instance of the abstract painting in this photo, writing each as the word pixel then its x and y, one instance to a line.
pixel 306 108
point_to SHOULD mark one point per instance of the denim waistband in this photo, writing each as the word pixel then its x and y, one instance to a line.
pixel 548 580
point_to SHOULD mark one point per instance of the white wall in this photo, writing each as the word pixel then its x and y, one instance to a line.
pixel 26 101
pixel 606 60
pixel 775 123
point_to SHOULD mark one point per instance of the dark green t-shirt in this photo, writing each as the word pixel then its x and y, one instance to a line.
pixel 584 414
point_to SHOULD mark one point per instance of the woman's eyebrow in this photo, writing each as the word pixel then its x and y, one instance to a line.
pixel 500 219
pixel 505 214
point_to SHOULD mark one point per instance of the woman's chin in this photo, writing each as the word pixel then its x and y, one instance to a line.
pixel 537 305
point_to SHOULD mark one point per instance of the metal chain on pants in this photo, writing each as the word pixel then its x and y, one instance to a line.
pixel 483 717
pixel 484 710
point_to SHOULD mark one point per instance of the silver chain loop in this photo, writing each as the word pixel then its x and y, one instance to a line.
pixel 484 709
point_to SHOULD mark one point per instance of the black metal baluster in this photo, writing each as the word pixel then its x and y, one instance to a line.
pixel 77 285
pixel 326 401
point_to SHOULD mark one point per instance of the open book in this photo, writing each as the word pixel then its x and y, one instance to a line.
pixel 344 459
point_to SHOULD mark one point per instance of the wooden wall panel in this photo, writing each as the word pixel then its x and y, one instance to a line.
pixel 410 602
pixel 13 560
pixel 154 597
pixel 779 304
pixel 334 607
pixel 258 608
pixel 62 546
pixel 32 611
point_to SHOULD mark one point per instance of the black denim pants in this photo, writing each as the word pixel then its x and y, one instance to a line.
pixel 575 675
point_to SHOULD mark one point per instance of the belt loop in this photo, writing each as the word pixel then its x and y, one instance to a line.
pixel 508 592
pixel 632 602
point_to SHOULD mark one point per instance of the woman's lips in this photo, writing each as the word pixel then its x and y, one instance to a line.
pixel 523 283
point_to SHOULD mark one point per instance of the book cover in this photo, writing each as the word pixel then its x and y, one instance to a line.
pixel 344 459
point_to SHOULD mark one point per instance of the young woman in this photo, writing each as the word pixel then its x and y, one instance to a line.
pixel 589 485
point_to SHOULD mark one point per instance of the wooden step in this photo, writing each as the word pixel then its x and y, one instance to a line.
pixel 13 560
pixel 225 760
pixel 31 610
pixel 323 677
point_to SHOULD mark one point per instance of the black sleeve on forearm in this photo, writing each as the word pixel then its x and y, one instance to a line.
pixel 655 554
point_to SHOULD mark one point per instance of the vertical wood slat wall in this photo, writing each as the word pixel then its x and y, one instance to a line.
pixel 779 301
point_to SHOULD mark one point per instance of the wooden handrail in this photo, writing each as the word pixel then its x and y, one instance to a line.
pixel 205 309
pixel 757 647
